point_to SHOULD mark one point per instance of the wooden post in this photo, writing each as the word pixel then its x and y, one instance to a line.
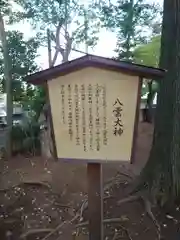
pixel 95 201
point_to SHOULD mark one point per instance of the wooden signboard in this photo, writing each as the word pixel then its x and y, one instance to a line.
pixel 94 108
pixel 93 113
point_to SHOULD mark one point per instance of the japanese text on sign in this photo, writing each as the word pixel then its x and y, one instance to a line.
pixel 70 115
pixel 90 123
pixel 117 111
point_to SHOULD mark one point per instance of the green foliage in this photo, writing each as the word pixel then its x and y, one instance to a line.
pixel 26 139
pixel 69 15
pixel 148 54
pixel 130 20
pixel 86 32
pixel 34 101
pixel 5 7
pixel 40 12
pixel 22 54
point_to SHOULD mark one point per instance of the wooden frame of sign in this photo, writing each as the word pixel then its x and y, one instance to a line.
pixel 94 107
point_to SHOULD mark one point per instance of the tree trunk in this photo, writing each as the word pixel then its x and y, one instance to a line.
pixel 130 31
pixel 49 47
pixel 8 88
pixel 161 173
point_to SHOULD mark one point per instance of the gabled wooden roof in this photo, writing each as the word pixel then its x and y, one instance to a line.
pixel 97 62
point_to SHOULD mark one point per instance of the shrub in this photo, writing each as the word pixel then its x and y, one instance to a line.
pixel 26 139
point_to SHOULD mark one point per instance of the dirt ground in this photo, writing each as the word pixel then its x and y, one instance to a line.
pixel 38 196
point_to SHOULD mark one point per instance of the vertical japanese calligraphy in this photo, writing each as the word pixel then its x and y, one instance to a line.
pixel 104 116
pixel 63 103
pixel 70 117
pixel 90 96
pixel 97 117
pixel 117 112
pixel 83 98
pixel 87 105
pixel 77 112
pixel 87 110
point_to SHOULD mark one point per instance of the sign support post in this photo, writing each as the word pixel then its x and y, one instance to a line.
pixel 95 201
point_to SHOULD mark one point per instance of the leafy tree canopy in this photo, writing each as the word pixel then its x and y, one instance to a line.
pixel 68 22
pixel 22 54
pixel 132 20
pixel 148 54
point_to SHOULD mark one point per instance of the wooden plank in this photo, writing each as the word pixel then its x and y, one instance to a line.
pixel 95 201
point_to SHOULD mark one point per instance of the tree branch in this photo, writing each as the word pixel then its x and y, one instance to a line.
pixel 67 49
pixel 57 42
pixel 35 231
pixel 128 199
pixel 77 29
pixel 147 205
pixel 60 226
pixel 105 221
pixel 49 47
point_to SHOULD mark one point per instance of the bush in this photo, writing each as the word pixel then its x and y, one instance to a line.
pixel 26 139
